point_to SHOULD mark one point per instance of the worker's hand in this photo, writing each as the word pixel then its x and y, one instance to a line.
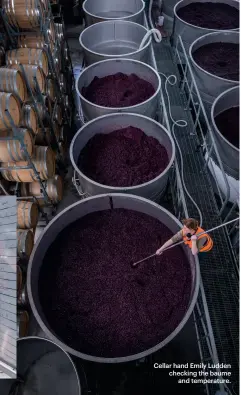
pixel 194 238
pixel 159 252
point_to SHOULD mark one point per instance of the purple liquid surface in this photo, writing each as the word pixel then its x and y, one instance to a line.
pixel 96 302
pixel 123 158
pixel 217 16
pixel 118 90
pixel 220 59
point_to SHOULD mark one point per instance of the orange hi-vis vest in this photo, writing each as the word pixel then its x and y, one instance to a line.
pixel 207 246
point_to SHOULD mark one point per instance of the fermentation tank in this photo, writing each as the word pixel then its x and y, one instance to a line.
pixel 229 154
pixel 113 66
pixel 189 32
pixel 209 85
pixel 102 10
pixel 107 124
pixel 45 368
pixel 77 211
pixel 114 39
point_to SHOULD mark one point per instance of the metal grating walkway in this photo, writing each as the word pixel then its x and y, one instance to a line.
pixel 217 269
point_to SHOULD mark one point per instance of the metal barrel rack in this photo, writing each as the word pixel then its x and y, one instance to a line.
pixel 36 98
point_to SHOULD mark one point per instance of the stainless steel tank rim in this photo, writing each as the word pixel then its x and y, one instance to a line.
pixel 57 345
pixel 213 120
pixel 107 55
pixel 119 109
pixel 119 18
pixel 199 67
pixel 199 27
pixel 227 173
pixel 119 189
pixel 115 359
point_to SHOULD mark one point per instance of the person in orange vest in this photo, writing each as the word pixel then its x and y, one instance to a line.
pixel 189 234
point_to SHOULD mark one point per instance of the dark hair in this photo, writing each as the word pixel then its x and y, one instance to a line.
pixel 190 223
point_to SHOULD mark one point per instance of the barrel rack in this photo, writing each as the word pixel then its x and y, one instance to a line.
pixel 36 99
pixel 215 315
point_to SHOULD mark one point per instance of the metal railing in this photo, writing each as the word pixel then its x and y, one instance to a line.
pixel 204 131
pixel 204 331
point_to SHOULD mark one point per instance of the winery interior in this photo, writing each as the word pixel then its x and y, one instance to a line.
pixel 118 119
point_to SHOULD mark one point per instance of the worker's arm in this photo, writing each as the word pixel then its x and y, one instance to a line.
pixel 175 239
pixel 167 244
pixel 194 245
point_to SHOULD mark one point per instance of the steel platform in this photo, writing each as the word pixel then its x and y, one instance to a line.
pixel 218 271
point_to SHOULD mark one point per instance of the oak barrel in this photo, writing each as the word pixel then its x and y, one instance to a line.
pixel 44 160
pixel 23 300
pixel 24 14
pixel 58 115
pixel 51 89
pixel 10 102
pixel 57 59
pixel 12 81
pixel 51 30
pixel 54 188
pixel 25 242
pixel 29 117
pixel 48 106
pixel 27 214
pixel 33 72
pixel 43 137
pixel 42 109
pixel 32 56
pixel 23 323
pixel 33 40
pixel 12 150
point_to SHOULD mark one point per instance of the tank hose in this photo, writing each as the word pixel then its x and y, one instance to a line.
pixel 181 123
pixel 157 36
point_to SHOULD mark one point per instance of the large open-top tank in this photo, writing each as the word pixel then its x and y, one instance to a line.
pixel 225 126
pixel 109 123
pixel 102 10
pixel 114 39
pixel 189 32
pixel 208 50
pixel 111 67
pixel 45 368
pixel 160 278
pixel 227 144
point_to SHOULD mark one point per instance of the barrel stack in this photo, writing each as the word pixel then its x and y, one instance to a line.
pixel 34 101
pixel 35 113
